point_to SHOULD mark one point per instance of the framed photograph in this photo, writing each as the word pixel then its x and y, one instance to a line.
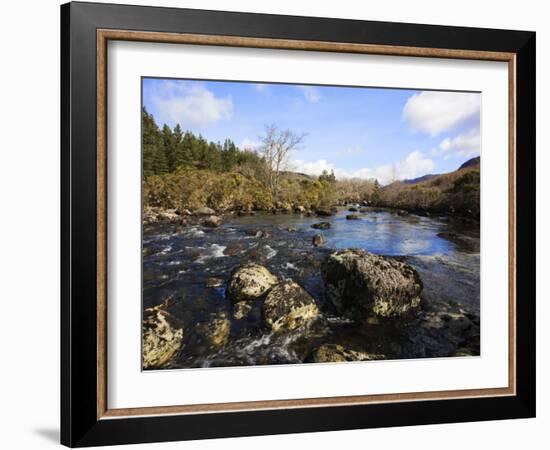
pixel 276 224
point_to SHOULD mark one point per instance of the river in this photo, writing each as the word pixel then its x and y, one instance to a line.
pixel 191 265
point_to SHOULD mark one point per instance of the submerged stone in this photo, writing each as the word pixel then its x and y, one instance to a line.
pixel 241 310
pixel 214 332
pixel 338 353
pixel 321 226
pixel 318 240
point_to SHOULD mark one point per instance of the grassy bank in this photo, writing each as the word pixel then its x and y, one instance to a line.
pixel 455 193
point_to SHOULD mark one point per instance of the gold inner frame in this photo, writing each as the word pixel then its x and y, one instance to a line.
pixel 104 35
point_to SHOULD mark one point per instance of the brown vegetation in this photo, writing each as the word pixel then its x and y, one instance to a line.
pixel 456 193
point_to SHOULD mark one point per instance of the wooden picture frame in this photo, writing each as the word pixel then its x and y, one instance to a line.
pixel 86 418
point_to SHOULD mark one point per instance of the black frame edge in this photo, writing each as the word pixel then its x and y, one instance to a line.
pixel 79 425
pixel 526 223
pixel 65 335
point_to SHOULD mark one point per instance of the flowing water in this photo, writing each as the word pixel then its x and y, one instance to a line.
pixel 182 263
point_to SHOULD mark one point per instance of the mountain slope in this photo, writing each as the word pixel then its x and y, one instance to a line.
pixel 455 192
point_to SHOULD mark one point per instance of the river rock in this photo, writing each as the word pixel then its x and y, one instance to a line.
pixel 352 209
pixel 183 212
pixel 284 207
pixel 214 332
pixel 234 248
pixel 250 282
pixel 363 210
pixel 154 215
pixel 359 283
pixel 147 251
pixel 204 211
pixel 241 310
pixel 338 353
pixel 258 233
pixel 352 217
pixel 321 226
pixel 161 342
pixel 289 306
pixel 324 212
pixel 149 215
pixel 212 222
pixel 300 209
pixel 318 240
pixel 213 282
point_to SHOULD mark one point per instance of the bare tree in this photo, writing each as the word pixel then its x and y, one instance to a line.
pixel 275 149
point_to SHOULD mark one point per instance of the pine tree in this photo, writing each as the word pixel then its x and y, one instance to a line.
pixel 154 157
pixel 178 158
pixel 230 154
pixel 375 194
pixel 169 147
pixel 164 150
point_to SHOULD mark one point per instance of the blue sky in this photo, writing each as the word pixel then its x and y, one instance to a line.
pixel 358 132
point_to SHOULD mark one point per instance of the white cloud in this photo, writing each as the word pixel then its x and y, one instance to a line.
pixel 311 94
pixel 311 167
pixel 260 87
pixel 467 144
pixel 436 112
pixel 190 104
pixel 249 144
pixel 413 165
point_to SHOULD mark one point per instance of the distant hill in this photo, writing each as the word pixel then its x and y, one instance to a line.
pixel 454 192
pixel 419 179
pixel 470 163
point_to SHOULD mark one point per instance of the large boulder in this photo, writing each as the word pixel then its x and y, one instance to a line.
pixel 161 342
pixel 362 285
pixel 289 306
pixel 338 353
pixel 250 282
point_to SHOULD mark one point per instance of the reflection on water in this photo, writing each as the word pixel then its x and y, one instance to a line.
pixel 379 232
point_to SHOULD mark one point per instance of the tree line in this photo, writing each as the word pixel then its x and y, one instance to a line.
pixel 165 149
pixel 186 171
